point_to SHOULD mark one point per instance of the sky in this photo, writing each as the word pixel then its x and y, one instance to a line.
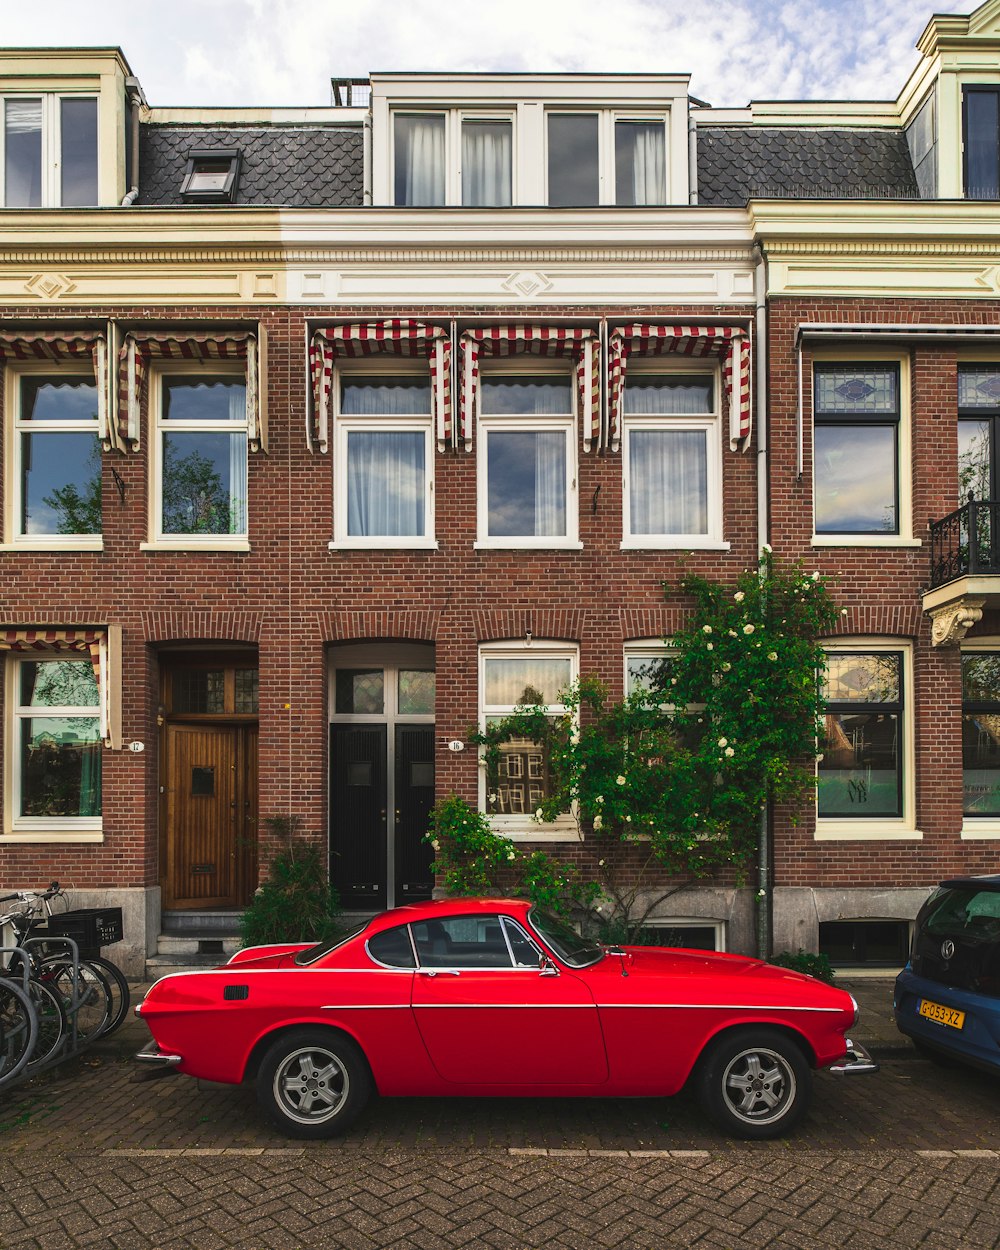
pixel 284 52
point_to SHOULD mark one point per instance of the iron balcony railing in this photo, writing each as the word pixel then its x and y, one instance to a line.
pixel 966 541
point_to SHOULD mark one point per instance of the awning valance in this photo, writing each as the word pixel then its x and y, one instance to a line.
pixel 201 346
pixel 89 347
pixel 399 337
pixel 89 642
pixel 731 344
pixel 575 342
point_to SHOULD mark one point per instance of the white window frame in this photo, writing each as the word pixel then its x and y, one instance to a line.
pixel 158 372
pixel 710 424
pixel 878 829
pixel 520 827
pixel 644 649
pixel 525 365
pixel 51 142
pixel 607 150
pixel 977 828
pixel 395 367
pixel 453 119
pixel 14 373
pixel 904 449
pixel 18 828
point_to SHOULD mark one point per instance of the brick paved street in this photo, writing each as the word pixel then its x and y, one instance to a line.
pixel 910 1157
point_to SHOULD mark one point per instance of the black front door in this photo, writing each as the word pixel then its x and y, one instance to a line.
pixel 358 813
pixel 414 774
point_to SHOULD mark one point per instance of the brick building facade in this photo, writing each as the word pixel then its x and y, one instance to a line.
pixel 309 537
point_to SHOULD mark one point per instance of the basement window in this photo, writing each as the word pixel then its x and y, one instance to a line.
pixel 212 176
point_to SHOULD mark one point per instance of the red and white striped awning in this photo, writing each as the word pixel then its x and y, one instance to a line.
pixel 92 642
pixel 730 343
pixel 395 337
pixel 200 346
pixel 576 342
pixel 63 347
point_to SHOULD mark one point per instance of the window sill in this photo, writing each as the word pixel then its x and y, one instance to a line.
pixel 191 545
pixel 873 831
pixel 52 543
pixel 975 830
pixel 671 544
pixel 513 544
pixel 8 838
pixel 386 544
pixel 863 540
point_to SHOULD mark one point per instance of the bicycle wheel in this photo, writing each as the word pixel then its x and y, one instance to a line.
pixel 18 1030
pixel 121 995
pixel 85 995
pixel 51 1025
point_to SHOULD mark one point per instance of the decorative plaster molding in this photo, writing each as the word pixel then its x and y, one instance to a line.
pixel 951 622
pixel 50 285
pixel 527 285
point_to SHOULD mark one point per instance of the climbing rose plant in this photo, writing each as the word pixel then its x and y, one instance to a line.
pixel 673 777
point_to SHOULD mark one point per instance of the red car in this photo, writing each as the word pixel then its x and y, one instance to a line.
pixel 485 997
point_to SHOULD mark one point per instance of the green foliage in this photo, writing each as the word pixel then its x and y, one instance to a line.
pixel 79 512
pixel 671 781
pixel 804 961
pixel 296 903
pixel 473 860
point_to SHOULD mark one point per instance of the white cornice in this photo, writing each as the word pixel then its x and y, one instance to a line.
pixel 904 222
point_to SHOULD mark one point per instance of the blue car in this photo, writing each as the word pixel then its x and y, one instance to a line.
pixel 947 997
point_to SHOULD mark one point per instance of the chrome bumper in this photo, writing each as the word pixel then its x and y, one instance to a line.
pixel 857 1061
pixel 156 1062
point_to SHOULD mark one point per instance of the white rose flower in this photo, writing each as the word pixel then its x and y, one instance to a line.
pixel 748 629
pixel 815 576
pixel 723 742
pixel 435 845
pixel 620 779
pixel 512 855
pixel 710 646
pixel 726 667
pixel 767 548
pixel 739 596
pixel 538 813
pixel 706 629
pixel 730 752
pixel 598 823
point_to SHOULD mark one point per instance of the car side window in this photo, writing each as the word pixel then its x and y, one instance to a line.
pixel 392 947
pixel 461 942
pixel 526 953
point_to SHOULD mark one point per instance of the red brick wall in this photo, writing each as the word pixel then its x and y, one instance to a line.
pixel 293 597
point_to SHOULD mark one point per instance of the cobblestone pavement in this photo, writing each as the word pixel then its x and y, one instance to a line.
pixel 909 1157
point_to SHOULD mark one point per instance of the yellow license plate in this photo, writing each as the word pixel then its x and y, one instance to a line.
pixel 942 1015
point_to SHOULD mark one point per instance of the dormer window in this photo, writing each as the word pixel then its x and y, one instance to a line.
pixel 605 158
pixel 49 151
pixel 212 175
pixel 452 158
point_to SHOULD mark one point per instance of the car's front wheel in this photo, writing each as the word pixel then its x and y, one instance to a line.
pixel 754 1084
pixel 313 1083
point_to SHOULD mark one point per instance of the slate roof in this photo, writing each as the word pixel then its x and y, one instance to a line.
pixel 736 163
pixel 282 165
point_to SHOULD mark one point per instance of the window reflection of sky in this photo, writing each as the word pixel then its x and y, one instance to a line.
pixel 855 479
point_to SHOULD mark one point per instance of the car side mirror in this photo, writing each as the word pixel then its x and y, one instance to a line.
pixel 546 968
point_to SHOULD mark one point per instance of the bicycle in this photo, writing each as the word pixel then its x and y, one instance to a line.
pixel 18 1030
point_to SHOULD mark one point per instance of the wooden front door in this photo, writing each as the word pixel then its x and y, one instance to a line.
pixel 210 815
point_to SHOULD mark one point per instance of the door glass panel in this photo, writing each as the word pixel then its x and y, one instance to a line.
pixel 359 692
pixel 246 680
pixel 422 773
pixel 199 691
pixel 359 773
pixel 415 692
pixel 973 460
pixel 202 782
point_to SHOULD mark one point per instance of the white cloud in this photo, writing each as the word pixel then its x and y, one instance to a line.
pixel 284 52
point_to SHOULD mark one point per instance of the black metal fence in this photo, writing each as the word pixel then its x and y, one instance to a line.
pixel 965 541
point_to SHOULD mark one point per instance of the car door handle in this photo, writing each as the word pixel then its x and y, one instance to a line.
pixel 434 972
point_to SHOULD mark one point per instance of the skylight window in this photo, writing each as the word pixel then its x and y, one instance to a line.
pixel 212 175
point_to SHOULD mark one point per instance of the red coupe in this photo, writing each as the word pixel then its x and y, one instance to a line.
pixel 495 997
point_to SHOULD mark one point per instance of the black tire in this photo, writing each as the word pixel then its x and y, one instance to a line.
pixel 121 995
pixel 86 997
pixel 51 1037
pixel 313 1083
pixel 755 1083
pixel 18 1030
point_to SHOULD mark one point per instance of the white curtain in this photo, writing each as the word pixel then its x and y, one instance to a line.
pixel 420 171
pixel 550 483
pixel 23 161
pixel 486 164
pixel 668 472
pixel 641 148
pixel 385 483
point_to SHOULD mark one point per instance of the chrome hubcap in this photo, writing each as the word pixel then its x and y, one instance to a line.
pixel 311 1085
pixel 759 1085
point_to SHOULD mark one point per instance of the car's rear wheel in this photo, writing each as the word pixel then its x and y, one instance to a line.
pixel 754 1084
pixel 313 1083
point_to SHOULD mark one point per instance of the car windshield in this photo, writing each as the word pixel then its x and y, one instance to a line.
pixel 963 911
pixel 324 948
pixel 572 949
